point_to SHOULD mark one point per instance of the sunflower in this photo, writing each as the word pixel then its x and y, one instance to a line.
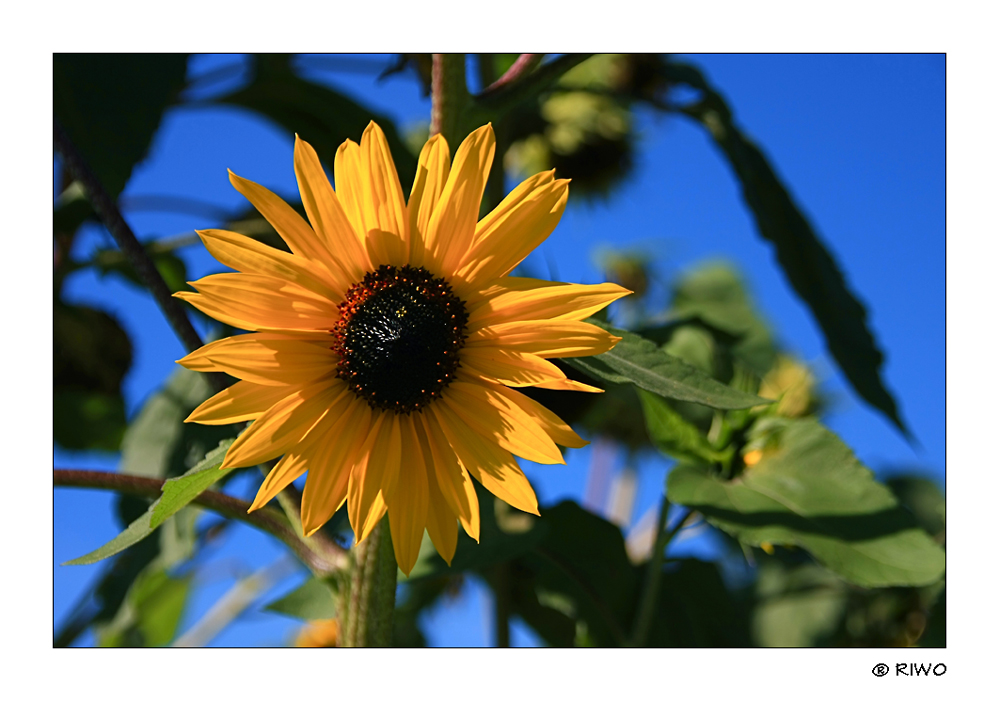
pixel 384 350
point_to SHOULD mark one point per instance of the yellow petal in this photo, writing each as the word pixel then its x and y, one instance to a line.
pixel 381 450
pixel 452 479
pixel 250 256
pixel 241 402
pixel 299 236
pixel 441 524
pixel 331 462
pixel 512 368
pixel 491 413
pixel 285 472
pixel 433 167
pixel 267 359
pixel 452 225
pixel 408 503
pixel 326 214
pixel 385 248
pixel 549 339
pixel 257 302
pixel 491 465
pixel 548 420
pixel 375 514
pixel 568 385
pixel 384 206
pixel 522 221
pixel 349 185
pixel 517 299
pixel 284 425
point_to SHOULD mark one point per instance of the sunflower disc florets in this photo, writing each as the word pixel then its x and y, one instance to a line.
pixel 398 337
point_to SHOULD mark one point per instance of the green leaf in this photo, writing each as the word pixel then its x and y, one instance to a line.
pixel 809 267
pixel 579 568
pixel 809 490
pixel 314 599
pixel 674 435
pixel 152 611
pixel 158 444
pixel 320 115
pixel 639 361
pixel 797 607
pixel 715 296
pixel 111 105
pixel 144 526
pixel 178 492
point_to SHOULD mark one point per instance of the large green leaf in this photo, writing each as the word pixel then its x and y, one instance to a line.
pixel 673 434
pixel 797 607
pixel 158 444
pixel 714 295
pixel 809 267
pixel 110 106
pixel 151 613
pixel 582 569
pixel 203 474
pixel 178 492
pixel 639 361
pixel 320 115
pixel 809 490
pixel 314 599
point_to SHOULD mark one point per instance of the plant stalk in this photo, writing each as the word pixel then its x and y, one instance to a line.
pixel 654 571
pixel 370 601
pixel 449 98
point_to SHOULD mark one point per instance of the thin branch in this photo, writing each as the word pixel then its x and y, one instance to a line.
pixel 320 555
pixel 524 64
pixel 231 605
pixel 174 203
pixel 111 217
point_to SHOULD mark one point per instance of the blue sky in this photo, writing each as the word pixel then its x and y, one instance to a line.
pixel 860 141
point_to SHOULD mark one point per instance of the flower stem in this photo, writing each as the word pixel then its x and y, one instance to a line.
pixel 651 588
pixel 501 604
pixel 371 598
pixel 449 97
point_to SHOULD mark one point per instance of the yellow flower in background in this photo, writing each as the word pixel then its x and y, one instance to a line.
pixel 384 348
pixel 319 633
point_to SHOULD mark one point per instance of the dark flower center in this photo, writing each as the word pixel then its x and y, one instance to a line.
pixel 398 338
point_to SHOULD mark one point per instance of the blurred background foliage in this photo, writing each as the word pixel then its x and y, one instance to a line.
pixel 825 555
